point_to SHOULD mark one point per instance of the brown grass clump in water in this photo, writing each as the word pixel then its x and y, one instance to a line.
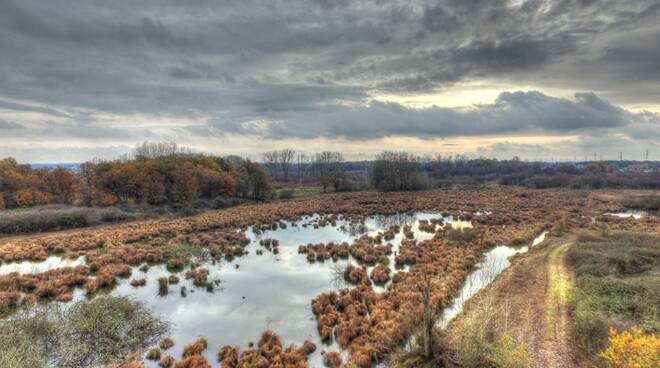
pixel 153 354
pixel 163 286
pixel 380 274
pixel 427 226
pixel 366 249
pixel 195 361
pixel 173 279
pixel 195 348
pixel 354 274
pixel 138 282
pixel 228 356
pixel 166 362
pixel 308 347
pixel 322 252
pixel 107 277
pixel 199 277
pixel 166 343
pixel 268 353
pixel 332 359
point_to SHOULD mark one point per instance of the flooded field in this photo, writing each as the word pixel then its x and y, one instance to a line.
pixel 348 281
pixel 261 290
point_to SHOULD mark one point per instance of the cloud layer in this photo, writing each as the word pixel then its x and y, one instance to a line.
pixel 101 73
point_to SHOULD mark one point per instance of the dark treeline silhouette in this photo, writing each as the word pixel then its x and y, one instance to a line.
pixel 393 171
pixel 583 175
pixel 156 174
pixel 326 169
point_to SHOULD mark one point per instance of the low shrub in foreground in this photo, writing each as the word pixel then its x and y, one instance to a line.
pixel 482 339
pixel 90 333
pixel 631 350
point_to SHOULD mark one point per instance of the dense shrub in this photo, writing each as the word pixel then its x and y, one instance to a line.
pixel 89 333
pixel 631 350
pixel 158 174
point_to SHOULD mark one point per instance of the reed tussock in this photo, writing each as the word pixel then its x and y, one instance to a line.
pixel 270 352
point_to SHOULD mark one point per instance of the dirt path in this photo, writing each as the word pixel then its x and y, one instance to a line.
pixel 557 351
pixel 531 299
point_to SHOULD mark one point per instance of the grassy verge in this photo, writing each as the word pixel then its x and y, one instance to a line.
pixel 58 217
pixel 297 192
pixel 617 286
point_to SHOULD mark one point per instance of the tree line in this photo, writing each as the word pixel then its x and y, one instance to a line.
pixel 326 169
pixel 164 173
pixel 157 174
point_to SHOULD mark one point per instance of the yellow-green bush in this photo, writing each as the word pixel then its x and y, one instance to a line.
pixel 632 350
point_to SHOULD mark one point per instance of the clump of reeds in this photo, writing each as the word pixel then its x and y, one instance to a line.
pixel 166 362
pixel 175 264
pixel 354 274
pixel 107 276
pixel 200 278
pixel 163 286
pixel 380 274
pixel 332 359
pixel 138 282
pixel 195 361
pixel 228 356
pixel 166 343
pixel 173 279
pixel 195 348
pixel 153 354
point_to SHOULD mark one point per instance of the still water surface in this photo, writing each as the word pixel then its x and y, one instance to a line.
pixel 254 292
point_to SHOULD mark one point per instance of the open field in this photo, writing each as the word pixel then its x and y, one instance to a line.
pixel 348 278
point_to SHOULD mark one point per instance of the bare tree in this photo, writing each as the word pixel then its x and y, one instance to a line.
pixel 159 149
pixel 285 160
pixel 329 168
pixel 271 159
pixel 301 164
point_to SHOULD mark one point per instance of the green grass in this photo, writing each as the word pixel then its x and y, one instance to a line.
pixel 618 285
pixel 297 192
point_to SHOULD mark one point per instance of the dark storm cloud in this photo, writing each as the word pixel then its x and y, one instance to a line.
pixel 512 113
pixel 302 68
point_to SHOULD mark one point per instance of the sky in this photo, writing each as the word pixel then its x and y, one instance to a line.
pixel 538 79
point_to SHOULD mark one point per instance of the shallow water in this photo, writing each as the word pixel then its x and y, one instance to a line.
pixel 636 214
pixel 51 263
pixel 495 261
pixel 255 292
